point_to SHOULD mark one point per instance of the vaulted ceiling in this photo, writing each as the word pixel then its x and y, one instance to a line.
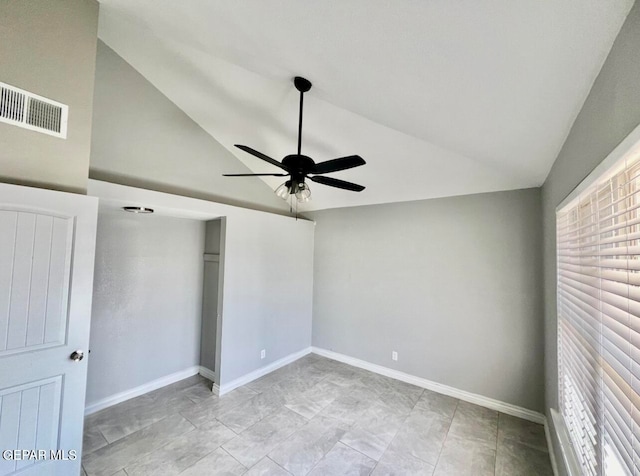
pixel 440 97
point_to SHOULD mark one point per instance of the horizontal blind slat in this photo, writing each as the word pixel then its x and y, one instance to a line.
pixel 598 299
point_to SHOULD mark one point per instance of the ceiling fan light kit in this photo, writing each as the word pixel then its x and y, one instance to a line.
pixel 283 190
pixel 300 167
pixel 304 192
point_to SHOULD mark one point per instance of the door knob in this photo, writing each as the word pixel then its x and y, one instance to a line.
pixel 77 355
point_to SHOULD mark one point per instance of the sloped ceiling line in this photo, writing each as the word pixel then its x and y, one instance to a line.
pixel 441 98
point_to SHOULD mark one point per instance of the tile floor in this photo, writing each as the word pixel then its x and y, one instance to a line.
pixel 315 416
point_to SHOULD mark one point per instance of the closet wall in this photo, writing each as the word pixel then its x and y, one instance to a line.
pixel 147 301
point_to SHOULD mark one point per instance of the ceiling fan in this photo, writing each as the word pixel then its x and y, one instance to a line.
pixel 300 167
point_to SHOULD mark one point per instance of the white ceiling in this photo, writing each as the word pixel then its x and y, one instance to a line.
pixel 440 97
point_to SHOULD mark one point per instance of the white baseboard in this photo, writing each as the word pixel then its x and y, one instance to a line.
pixel 245 379
pixel 487 402
pixel 211 375
pixel 552 453
pixel 141 390
pixel 250 377
pixel 208 374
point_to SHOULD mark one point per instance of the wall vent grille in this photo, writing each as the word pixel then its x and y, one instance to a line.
pixel 30 111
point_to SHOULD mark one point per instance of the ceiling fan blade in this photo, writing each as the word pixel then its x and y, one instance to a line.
pixel 335 165
pixel 260 155
pixel 255 175
pixel 332 182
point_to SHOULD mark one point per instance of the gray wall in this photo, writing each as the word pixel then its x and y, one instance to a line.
pixel 267 297
pixel 142 139
pixel 453 285
pixel 147 301
pixel 610 113
pixel 49 48
pixel 208 345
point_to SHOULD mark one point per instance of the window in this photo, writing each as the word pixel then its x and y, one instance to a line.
pixel 598 250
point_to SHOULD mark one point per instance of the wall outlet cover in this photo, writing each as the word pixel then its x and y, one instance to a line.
pixel 394 355
pixel 263 353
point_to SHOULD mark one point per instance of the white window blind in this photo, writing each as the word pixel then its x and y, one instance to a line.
pixel 598 249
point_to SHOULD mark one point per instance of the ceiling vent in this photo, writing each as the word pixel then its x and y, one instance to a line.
pixel 30 111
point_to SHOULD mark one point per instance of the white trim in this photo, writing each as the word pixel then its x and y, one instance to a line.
pixel 211 375
pixel 552 453
pixel 208 374
pixel 628 145
pixel 250 377
pixel 141 390
pixel 570 461
pixel 487 402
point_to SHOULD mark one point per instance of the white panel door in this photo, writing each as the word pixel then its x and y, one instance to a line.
pixel 47 246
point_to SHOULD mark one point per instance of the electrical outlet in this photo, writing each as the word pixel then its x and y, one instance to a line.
pixel 263 354
pixel 394 355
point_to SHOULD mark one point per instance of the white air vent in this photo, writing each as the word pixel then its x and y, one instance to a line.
pixel 30 111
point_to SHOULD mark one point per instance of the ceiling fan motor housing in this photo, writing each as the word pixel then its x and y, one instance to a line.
pixel 299 166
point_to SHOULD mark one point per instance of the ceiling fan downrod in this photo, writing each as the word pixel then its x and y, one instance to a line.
pixel 303 85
